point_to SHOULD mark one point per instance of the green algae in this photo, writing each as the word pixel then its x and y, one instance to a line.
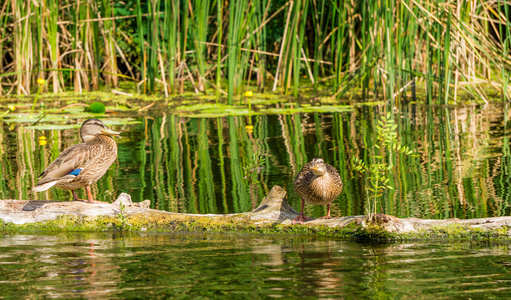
pixel 462 232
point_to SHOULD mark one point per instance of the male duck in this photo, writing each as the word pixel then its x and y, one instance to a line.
pixel 83 164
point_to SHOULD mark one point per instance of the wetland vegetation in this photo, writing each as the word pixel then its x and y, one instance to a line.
pixel 218 101
pixel 381 50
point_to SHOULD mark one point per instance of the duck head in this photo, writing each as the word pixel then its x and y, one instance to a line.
pixel 318 167
pixel 94 127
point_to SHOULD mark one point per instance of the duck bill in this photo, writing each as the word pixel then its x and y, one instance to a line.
pixel 315 170
pixel 110 132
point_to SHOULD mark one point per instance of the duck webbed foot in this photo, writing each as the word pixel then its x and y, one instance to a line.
pixel 89 197
pixel 327 213
pixel 300 219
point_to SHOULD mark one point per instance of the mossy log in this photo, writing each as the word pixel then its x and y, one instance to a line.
pixel 274 215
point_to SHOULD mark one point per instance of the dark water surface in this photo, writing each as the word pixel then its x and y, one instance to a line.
pixel 77 265
pixel 195 164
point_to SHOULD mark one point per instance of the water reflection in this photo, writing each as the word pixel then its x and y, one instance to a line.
pixel 235 266
pixel 195 165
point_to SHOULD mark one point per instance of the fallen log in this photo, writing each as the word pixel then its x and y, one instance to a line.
pixel 274 215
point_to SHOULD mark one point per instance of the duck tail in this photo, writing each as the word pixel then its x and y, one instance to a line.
pixel 47 183
pixel 44 186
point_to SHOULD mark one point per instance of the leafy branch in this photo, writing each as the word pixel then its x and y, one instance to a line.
pixel 378 172
pixel 252 172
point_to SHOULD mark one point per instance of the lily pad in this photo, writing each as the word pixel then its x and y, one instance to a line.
pixel 370 103
pixel 310 109
pixel 203 106
pixel 220 115
pixel 27 118
pixel 53 126
pixel 107 122
pixel 120 121
pixel 259 101
pixel 212 110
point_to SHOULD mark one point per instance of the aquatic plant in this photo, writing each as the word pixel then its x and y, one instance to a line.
pixel 122 217
pixel 378 170
pixel 380 48
pixel 96 107
pixel 252 171
pixel 40 82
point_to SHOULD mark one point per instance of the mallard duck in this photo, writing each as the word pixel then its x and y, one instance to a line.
pixel 317 183
pixel 83 164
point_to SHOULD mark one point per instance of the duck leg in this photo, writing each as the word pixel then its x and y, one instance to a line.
pixel 89 194
pixel 327 213
pixel 301 218
pixel 75 197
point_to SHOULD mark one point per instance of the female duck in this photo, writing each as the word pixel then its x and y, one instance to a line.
pixel 83 164
pixel 317 183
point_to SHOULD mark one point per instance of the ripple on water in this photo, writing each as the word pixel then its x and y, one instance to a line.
pixel 237 266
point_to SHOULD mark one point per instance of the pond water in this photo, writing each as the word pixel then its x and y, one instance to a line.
pixel 188 163
pixel 79 265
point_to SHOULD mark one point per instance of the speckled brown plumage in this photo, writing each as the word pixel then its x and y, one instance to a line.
pixel 318 183
pixel 93 157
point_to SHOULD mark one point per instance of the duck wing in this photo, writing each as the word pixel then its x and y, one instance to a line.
pixel 72 158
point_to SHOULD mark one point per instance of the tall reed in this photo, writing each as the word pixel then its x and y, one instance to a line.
pixel 220 31
pixel 141 45
pixel 109 38
pixel 153 36
pixel 51 13
pixel 199 34
pixel 236 31
pixel 171 26
pixel 382 48
pixel 3 36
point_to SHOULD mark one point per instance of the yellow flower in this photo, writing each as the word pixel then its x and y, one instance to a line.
pixel 40 81
pixel 42 140
pixel 249 94
pixel 249 128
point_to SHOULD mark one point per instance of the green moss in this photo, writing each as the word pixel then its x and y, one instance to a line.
pixel 175 223
pixel 373 232
pixel 461 232
pixel 163 222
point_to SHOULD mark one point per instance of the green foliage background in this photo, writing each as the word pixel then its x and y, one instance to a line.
pixel 379 48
